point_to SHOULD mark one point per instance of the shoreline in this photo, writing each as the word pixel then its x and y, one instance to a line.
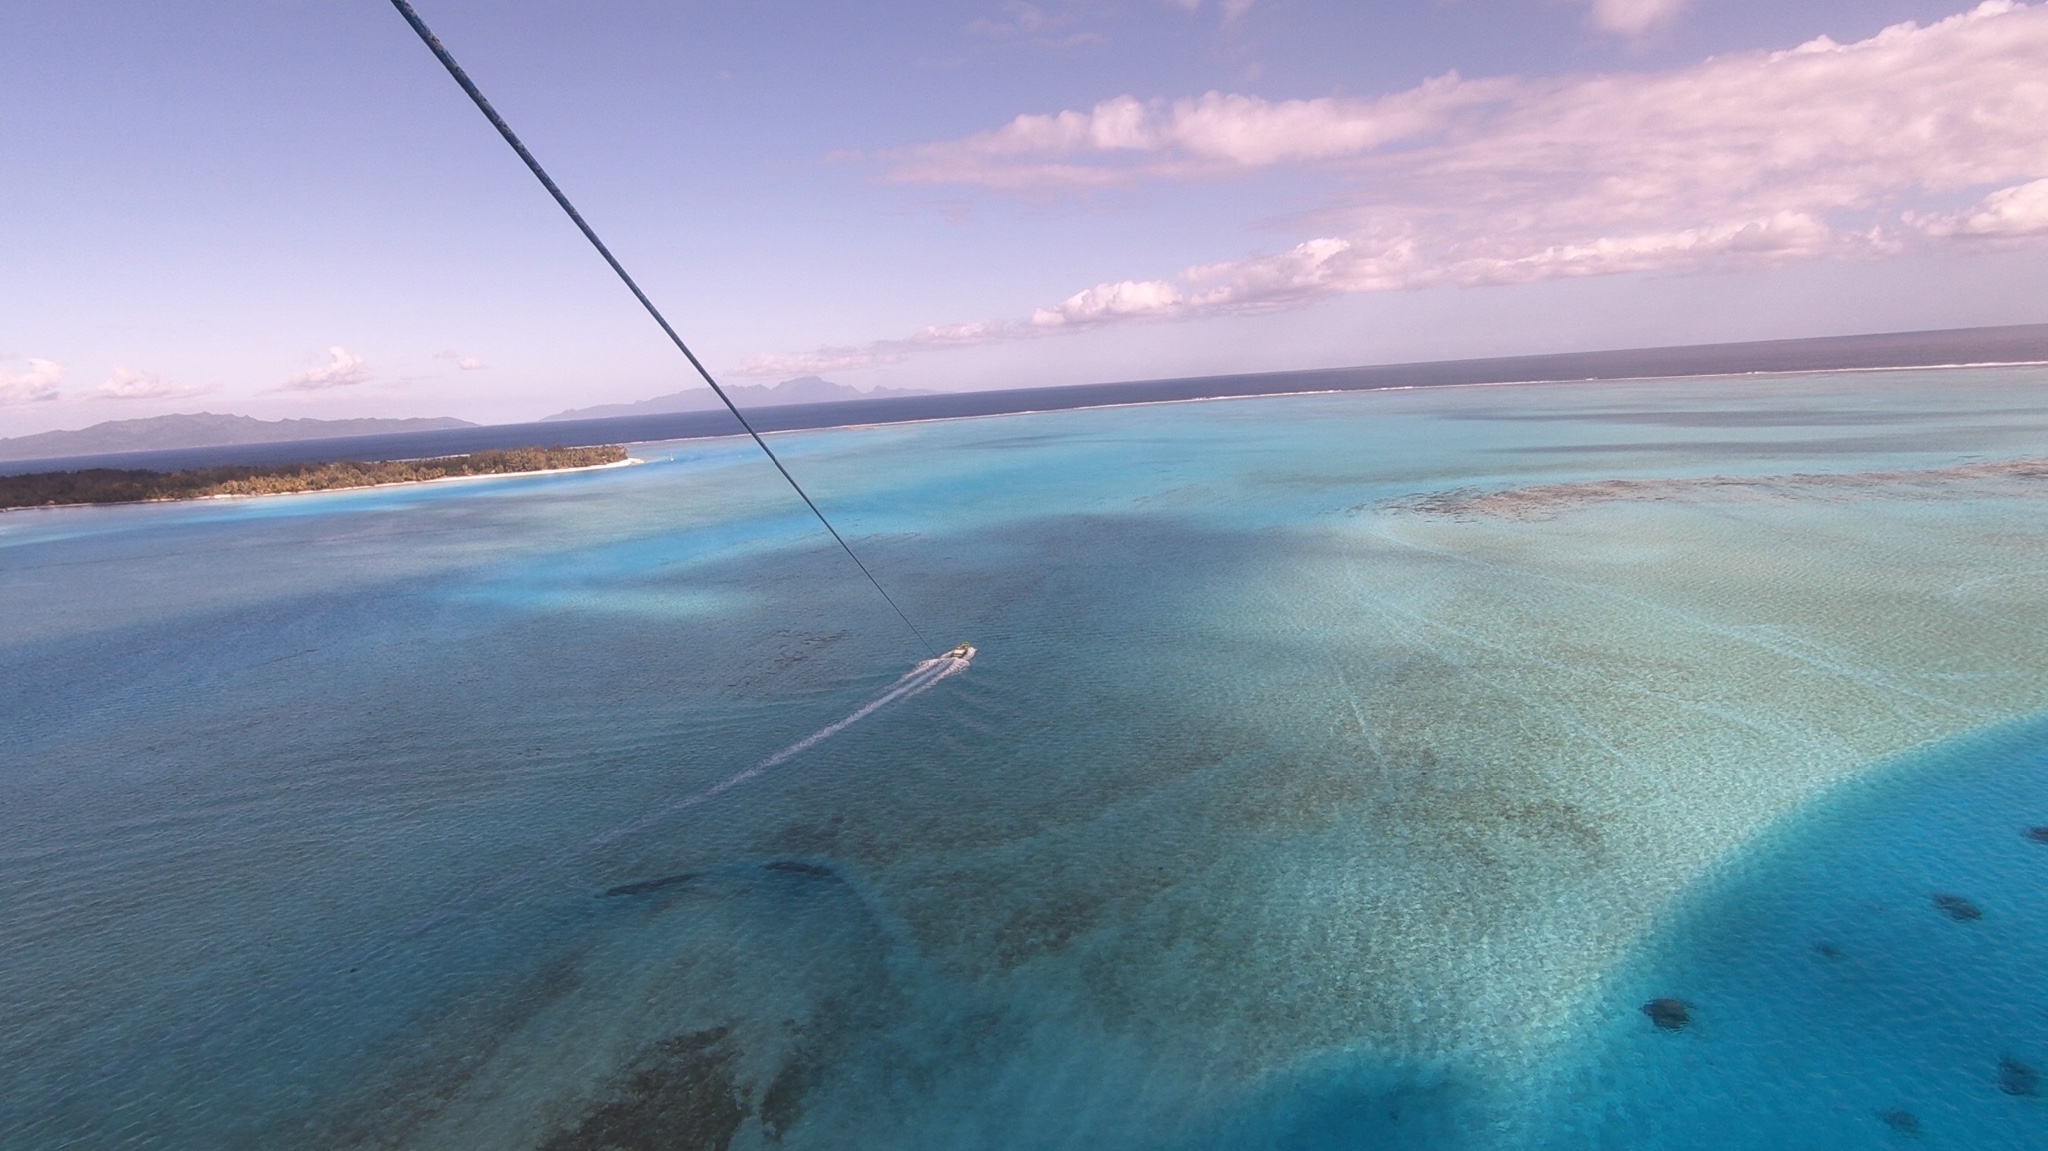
pixel 1105 405
pixel 629 461
pixel 2020 346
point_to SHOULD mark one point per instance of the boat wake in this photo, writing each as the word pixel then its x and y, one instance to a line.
pixel 916 681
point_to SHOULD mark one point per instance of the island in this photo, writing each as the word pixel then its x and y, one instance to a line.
pixel 127 486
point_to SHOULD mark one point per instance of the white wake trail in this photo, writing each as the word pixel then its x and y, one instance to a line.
pixel 916 681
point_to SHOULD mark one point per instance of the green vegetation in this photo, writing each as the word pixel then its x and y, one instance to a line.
pixel 116 486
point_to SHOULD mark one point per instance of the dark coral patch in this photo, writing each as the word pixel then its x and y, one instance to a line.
pixel 1957 908
pixel 2016 1078
pixel 683 1098
pixel 646 885
pixel 1903 1122
pixel 783 1103
pixel 1827 950
pixel 2037 834
pixel 1668 1014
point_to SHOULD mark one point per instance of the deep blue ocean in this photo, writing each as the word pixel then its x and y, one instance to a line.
pixel 1552 766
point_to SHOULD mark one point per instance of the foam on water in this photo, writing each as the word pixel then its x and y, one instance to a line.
pixel 1293 803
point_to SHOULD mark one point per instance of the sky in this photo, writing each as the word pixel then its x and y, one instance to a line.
pixel 284 208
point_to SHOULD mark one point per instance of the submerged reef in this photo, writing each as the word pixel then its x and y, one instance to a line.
pixel 1668 1014
pixel 785 866
pixel 684 1097
pixel 644 886
pixel 783 1103
pixel 1902 1121
pixel 1541 501
pixel 1957 908
pixel 2017 1078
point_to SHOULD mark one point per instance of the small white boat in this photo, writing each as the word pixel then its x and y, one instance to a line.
pixel 964 651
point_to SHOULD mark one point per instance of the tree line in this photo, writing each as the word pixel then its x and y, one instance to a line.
pixel 122 486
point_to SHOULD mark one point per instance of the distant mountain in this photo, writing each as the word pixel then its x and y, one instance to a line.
pixel 803 390
pixel 201 430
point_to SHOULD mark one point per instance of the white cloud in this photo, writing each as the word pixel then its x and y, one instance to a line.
pixel 343 369
pixel 1231 9
pixel 466 363
pixel 1126 139
pixel 1305 270
pixel 1334 265
pixel 1634 17
pixel 1821 150
pixel 2021 210
pixel 128 384
pixel 1127 300
pixel 1953 104
pixel 38 383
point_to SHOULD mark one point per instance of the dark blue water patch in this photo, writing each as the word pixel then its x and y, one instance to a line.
pixel 1871 972
pixel 1362 1102
pixel 645 886
pixel 795 867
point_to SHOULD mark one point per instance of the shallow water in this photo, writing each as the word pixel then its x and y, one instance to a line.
pixel 1278 810
pixel 1871 970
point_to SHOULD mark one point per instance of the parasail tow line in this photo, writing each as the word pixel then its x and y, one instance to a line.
pixel 441 53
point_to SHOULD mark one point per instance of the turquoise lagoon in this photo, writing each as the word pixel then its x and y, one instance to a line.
pixel 1308 792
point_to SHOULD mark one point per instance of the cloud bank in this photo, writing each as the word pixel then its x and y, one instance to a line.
pixel 1823 150
pixel 1824 125
pixel 38 383
pixel 344 369
pixel 2018 211
pixel 128 384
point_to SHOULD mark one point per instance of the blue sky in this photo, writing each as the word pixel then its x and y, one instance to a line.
pixel 285 208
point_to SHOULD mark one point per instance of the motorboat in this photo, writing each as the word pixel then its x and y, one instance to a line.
pixel 964 651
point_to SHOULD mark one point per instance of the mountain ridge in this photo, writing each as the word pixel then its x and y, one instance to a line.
pixel 203 430
pixel 802 390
